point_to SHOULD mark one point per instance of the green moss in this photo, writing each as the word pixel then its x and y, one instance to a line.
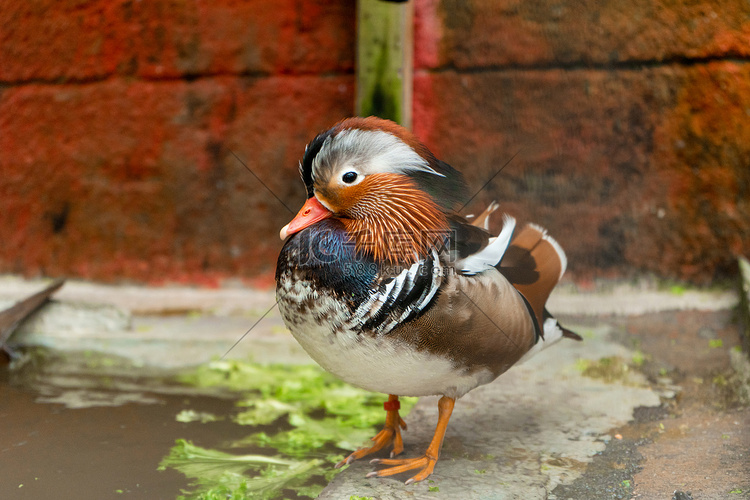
pixel 279 330
pixel 317 418
pixel 678 290
pixel 218 475
pixel 638 358
pixel 609 369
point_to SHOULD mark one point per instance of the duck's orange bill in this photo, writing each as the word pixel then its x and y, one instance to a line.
pixel 310 213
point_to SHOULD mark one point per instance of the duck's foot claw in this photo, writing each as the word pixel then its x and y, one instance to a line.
pixel 397 466
pixel 391 434
pixel 344 462
pixel 425 463
pixel 385 437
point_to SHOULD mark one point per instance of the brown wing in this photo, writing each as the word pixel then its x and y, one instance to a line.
pixel 476 321
pixel 534 263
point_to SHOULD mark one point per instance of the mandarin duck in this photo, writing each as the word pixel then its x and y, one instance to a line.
pixel 388 288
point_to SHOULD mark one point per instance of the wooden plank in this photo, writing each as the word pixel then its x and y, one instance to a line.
pixel 14 315
pixel 385 54
pixel 744 306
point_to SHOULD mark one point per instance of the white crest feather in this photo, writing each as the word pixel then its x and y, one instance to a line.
pixel 369 152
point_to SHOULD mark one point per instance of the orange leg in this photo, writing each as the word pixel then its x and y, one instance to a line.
pixel 391 433
pixel 426 463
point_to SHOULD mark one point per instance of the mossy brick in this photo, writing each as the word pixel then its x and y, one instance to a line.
pixel 481 33
pixel 696 216
pixel 229 36
pixel 633 169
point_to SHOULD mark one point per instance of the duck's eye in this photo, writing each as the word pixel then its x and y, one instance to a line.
pixel 349 177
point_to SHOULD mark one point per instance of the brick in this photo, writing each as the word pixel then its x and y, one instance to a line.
pixel 135 180
pixel 54 40
pixel 697 218
pixel 633 169
pixel 555 129
pixel 481 33
pixel 232 36
pixel 82 41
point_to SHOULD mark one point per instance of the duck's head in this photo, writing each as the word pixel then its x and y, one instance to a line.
pixel 387 188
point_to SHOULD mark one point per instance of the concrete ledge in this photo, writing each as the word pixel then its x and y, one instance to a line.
pixel 161 327
pixel 637 299
pixel 181 326
pixel 608 298
pixel 143 300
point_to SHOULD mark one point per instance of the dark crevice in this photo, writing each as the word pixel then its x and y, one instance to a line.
pixel 596 66
pixel 185 77
pixel 544 66
pixel 59 219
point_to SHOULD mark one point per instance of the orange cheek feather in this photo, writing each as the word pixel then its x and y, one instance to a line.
pixel 391 219
pixel 342 199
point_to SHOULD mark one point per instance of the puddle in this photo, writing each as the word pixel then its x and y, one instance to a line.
pixel 51 451
pixel 72 443
pixel 86 426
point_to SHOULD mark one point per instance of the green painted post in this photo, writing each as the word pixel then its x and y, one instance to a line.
pixel 744 309
pixel 385 47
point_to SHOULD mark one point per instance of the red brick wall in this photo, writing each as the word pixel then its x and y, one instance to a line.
pixel 118 120
pixel 631 121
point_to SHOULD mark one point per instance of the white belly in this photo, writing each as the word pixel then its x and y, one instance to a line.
pixel 378 364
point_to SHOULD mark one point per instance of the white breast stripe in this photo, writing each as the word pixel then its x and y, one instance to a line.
pixel 400 280
pixel 437 278
pixel 371 306
pixel 375 302
pixel 405 280
pixel 411 274
pixel 434 286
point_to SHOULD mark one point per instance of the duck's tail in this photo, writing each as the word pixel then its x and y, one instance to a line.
pixel 534 264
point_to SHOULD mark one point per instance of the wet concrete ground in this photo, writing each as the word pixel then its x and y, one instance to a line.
pixel 698 441
pixel 647 405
